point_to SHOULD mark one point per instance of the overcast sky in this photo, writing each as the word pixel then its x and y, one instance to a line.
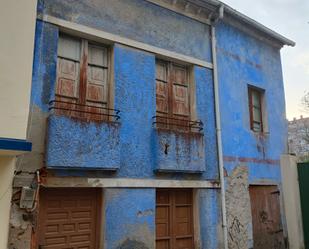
pixel 291 19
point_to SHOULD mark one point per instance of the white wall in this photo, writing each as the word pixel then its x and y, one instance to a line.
pixel 17 27
pixel 291 201
pixel 7 166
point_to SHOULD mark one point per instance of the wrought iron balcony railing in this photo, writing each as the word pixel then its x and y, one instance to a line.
pixel 177 124
pixel 85 112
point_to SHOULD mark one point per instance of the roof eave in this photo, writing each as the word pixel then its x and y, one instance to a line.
pixel 247 20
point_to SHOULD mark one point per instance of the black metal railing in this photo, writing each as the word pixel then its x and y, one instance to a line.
pixel 177 123
pixel 82 111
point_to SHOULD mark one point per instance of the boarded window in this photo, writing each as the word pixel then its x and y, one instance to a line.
pixel 256 109
pixel 82 79
pixel 172 95
pixel 174 219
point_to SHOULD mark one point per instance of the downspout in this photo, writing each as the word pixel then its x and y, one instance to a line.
pixel 218 123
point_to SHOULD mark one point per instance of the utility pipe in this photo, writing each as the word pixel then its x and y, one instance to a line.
pixel 218 125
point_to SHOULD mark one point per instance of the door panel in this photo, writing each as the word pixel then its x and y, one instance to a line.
pixel 174 219
pixel 68 218
pixel 266 219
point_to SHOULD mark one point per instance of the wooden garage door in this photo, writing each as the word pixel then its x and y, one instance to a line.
pixel 266 218
pixel 69 219
pixel 174 219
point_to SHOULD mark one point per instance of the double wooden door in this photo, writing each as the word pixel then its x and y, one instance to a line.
pixel 174 219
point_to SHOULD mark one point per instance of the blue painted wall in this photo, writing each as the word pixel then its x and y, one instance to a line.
pixel 44 65
pixel 84 145
pixel 210 218
pixel 135 153
pixel 129 218
pixel 244 60
pixel 138 20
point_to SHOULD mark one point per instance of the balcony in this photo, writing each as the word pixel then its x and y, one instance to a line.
pixel 178 145
pixel 82 137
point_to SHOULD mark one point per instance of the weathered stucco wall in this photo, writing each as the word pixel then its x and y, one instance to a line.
pixel 129 218
pixel 138 20
pixel 249 61
pixel 239 210
pixel 134 96
pixel 210 219
pixel 88 145
pixel 242 61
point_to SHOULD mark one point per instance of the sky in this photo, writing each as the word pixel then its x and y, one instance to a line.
pixel 291 19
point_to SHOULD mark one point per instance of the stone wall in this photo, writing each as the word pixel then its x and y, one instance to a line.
pixel 239 220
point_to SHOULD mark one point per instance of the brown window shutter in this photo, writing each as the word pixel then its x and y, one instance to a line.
pixel 161 88
pixel 180 91
pixel 162 93
pixel 97 81
pixel 180 96
pixel 68 64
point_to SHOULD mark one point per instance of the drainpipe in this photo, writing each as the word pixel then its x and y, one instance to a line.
pixel 218 124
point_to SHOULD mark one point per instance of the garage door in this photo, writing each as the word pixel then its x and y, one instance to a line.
pixel 68 218
pixel 174 219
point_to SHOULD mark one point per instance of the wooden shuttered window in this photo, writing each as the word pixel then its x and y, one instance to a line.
pixel 172 95
pixel 256 109
pixel 82 79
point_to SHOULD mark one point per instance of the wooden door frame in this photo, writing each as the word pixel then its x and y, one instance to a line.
pixel 99 238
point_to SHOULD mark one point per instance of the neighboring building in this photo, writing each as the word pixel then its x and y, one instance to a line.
pixel 17 27
pixel 126 133
pixel 299 138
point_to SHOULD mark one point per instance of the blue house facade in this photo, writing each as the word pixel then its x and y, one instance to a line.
pixel 130 148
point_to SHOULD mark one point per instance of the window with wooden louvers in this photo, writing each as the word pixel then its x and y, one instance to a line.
pixel 172 95
pixel 82 79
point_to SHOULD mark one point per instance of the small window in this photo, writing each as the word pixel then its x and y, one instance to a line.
pixel 172 95
pixel 256 109
pixel 82 88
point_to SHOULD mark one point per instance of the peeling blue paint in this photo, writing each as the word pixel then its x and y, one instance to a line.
pixel 129 214
pixel 179 151
pixel 138 20
pixel 85 145
pixel 210 218
pixel 133 148
pixel 246 61
pixel 44 65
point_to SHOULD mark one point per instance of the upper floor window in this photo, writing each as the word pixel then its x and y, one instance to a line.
pixel 82 88
pixel 172 95
pixel 256 109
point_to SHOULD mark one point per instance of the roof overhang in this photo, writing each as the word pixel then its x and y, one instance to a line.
pixel 14 147
pixel 205 10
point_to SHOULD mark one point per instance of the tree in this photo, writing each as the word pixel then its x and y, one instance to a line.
pixel 305 102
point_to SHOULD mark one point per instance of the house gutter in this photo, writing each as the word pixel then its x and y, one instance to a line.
pixel 219 16
pixel 231 13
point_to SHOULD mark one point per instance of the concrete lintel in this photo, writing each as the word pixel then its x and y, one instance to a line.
pixel 99 35
pixel 263 182
pixel 125 183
